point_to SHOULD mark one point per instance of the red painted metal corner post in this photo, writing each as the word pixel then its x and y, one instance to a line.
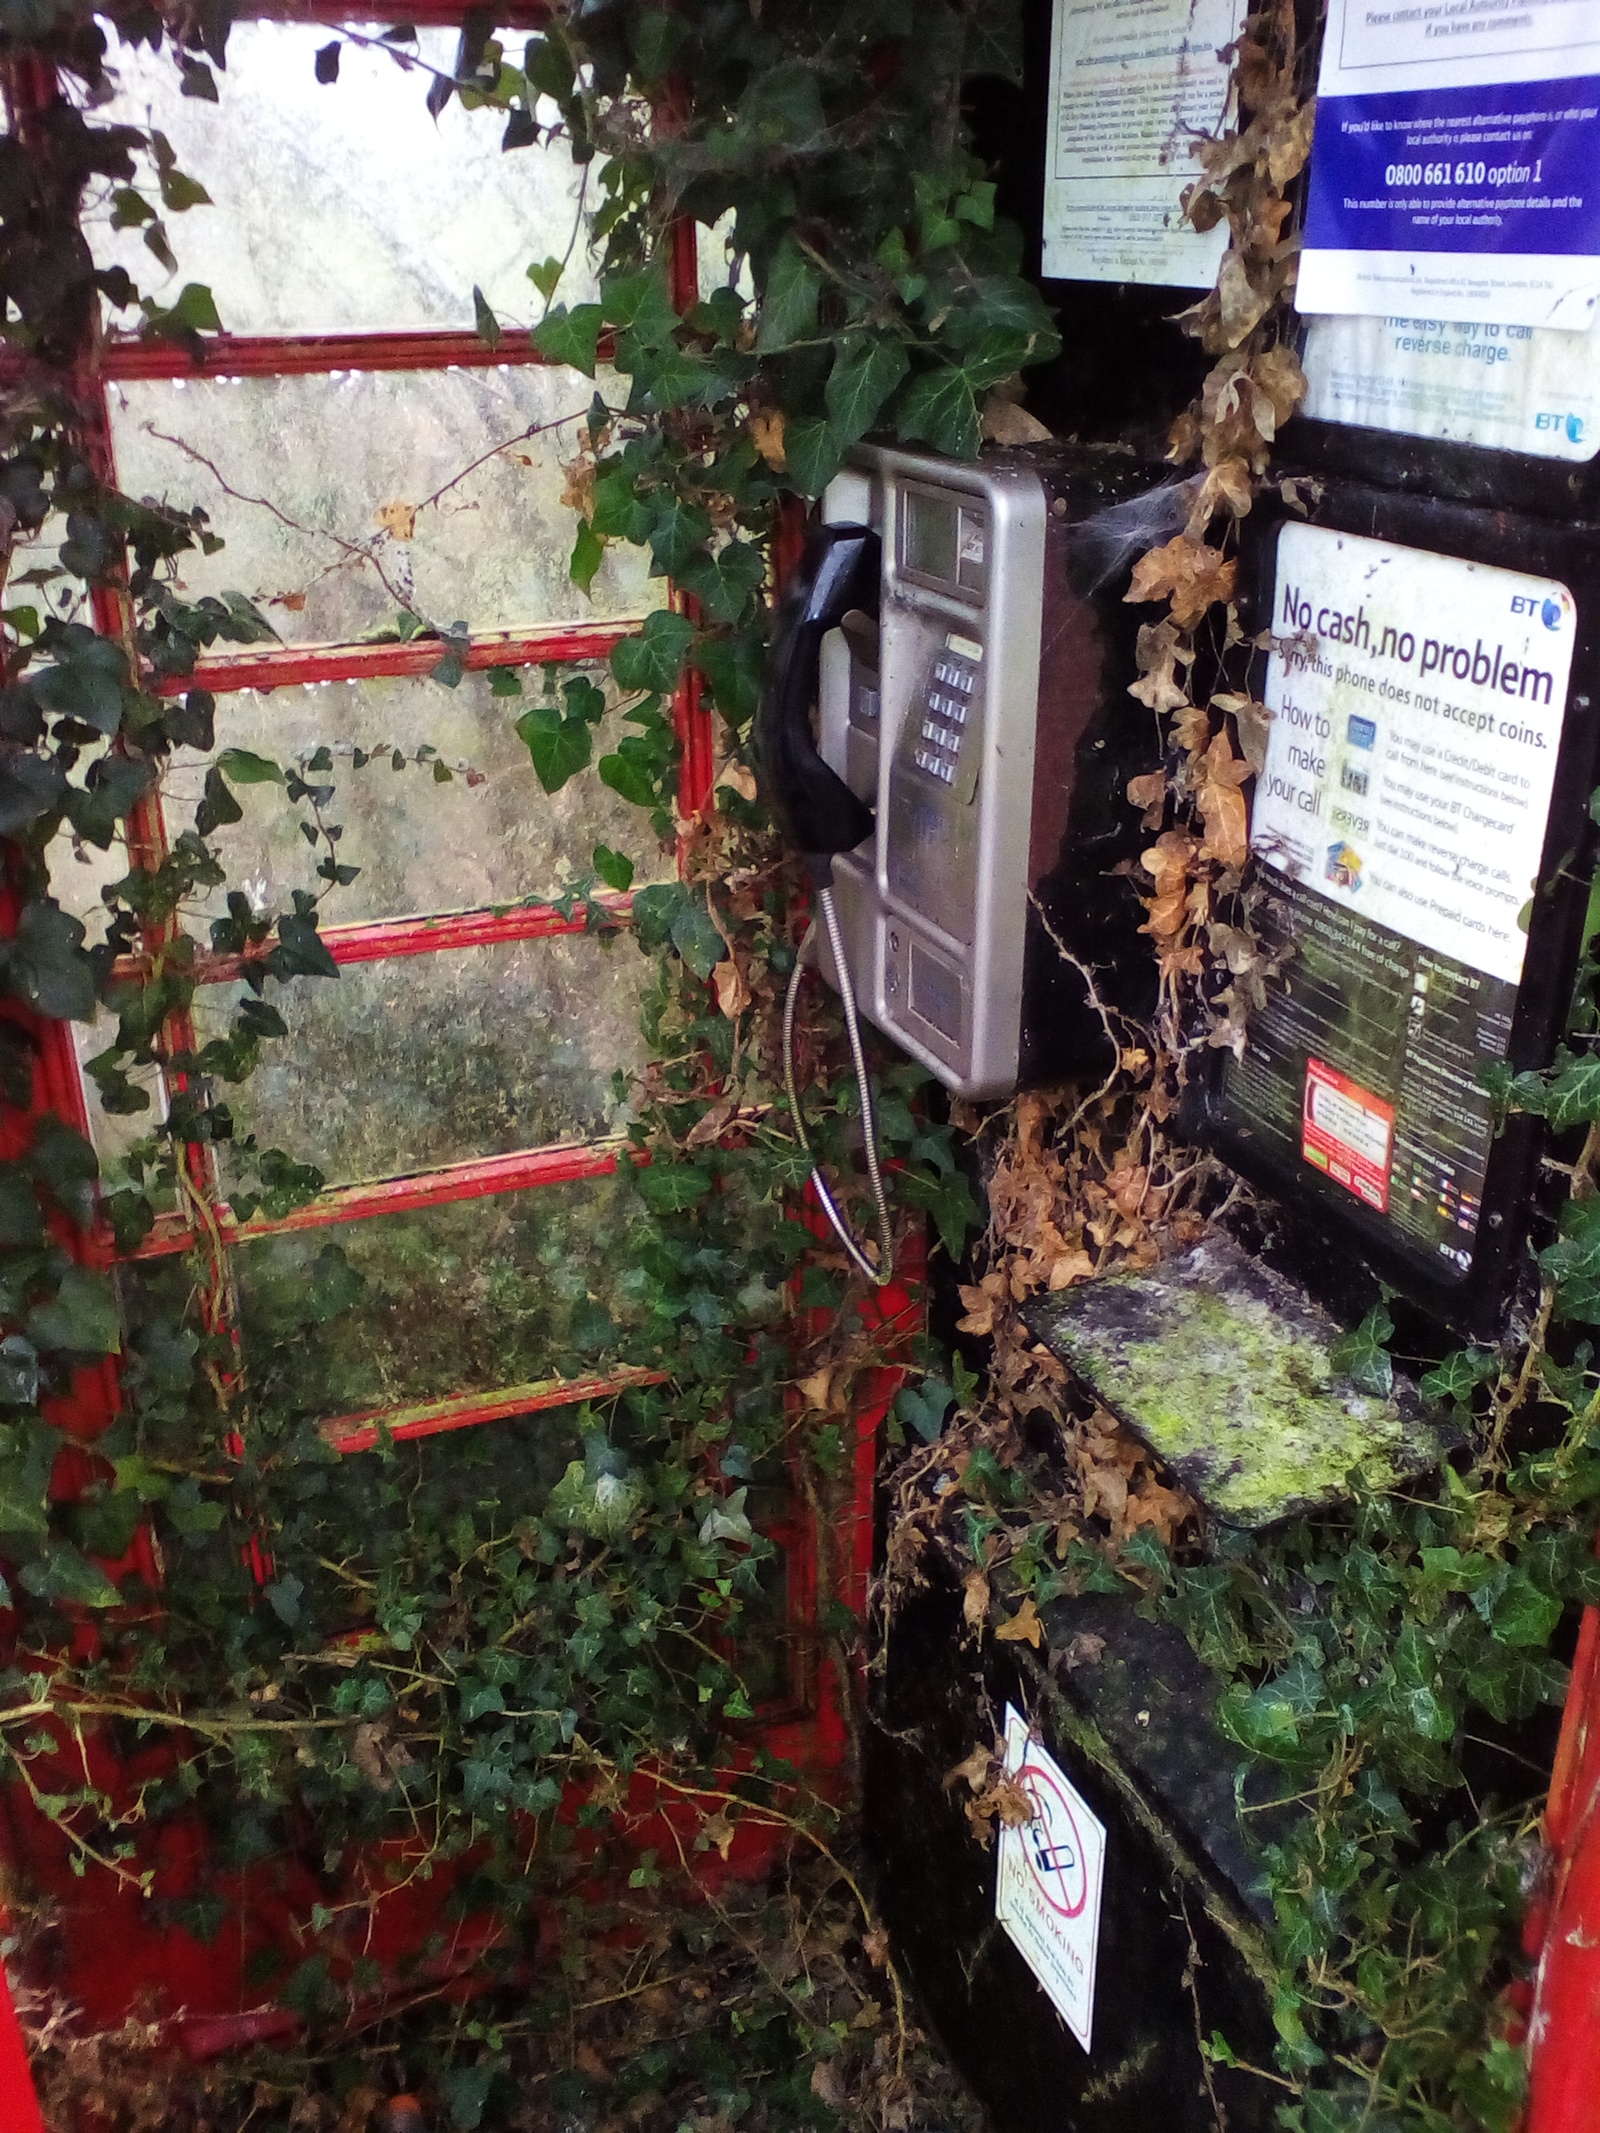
pixel 19 2104
pixel 1563 1925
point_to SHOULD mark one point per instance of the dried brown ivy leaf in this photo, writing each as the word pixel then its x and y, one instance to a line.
pixel 1189 573
pixel 1024 1626
pixel 1290 144
pixel 1222 804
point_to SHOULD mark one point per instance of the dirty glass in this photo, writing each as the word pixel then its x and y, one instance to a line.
pixel 420 1060
pixel 344 207
pixel 464 1298
pixel 357 496
pixel 491 835
pixel 78 872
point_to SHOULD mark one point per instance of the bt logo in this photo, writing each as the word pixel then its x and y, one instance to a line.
pixel 1572 425
pixel 1549 612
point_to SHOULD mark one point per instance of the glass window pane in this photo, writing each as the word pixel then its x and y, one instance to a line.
pixel 345 207
pixel 401 1065
pixel 331 469
pixel 78 872
pixel 492 835
pixel 464 1298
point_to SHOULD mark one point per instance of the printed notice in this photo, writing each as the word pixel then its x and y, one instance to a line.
pixel 1453 173
pixel 1417 705
pixel 1511 388
pixel 1048 1883
pixel 1133 85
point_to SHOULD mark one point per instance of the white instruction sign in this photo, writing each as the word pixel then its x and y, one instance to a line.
pixel 1528 389
pixel 1417 703
pixel 1134 84
pixel 1047 1890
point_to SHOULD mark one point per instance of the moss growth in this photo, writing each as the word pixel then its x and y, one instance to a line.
pixel 1227 1373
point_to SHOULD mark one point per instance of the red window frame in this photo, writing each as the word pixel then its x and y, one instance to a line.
pixel 106 361
pixel 807 1725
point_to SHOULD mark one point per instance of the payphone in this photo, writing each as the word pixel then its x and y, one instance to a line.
pixel 961 632
pixel 944 734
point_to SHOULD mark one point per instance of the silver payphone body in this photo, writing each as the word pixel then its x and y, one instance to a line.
pixel 982 714
pixel 930 718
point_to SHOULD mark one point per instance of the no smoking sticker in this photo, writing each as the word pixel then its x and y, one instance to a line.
pixel 1047 1889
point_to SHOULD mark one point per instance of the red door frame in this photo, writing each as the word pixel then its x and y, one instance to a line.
pixel 811 1733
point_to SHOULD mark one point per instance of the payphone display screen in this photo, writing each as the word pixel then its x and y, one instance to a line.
pixel 944 540
pixel 1417 704
pixel 933 534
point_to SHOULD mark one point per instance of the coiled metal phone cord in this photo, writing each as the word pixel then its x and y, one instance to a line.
pixel 883 1272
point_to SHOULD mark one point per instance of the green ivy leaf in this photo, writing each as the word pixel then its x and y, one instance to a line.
pixel 671 1187
pixel 939 408
pixel 588 553
pixel 813 451
pixel 696 936
pixel 478 1697
pixel 950 1202
pixel 732 667
pixel 1459 1375
pixel 570 336
pixel 1522 1614
pixel 89 681
pixel 1573 1262
pixel 27 1452
pixel 484 322
pixel 1569 1095
pixel 547 276
pixel 726 1520
pixel 654 910
pixel 789 303
pixel 678 533
pixel 302 952
pixel 62 1573
pixel 654 659
pixel 923 1407
pixel 1361 1356
pixel 864 375
pixel 560 747
pixel 81 1318
pixel 725 583
pixel 240 767
pixel 1511 1686
pixel 615 869
pixel 639 303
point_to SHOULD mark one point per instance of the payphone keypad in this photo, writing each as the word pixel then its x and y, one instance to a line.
pixel 947 740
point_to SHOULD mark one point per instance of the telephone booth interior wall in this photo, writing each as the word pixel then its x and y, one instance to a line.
pixel 364 450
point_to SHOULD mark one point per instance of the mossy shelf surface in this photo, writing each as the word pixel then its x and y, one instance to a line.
pixel 1225 1370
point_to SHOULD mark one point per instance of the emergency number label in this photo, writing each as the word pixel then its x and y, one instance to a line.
pixel 1048 1885
pixel 1417 704
pixel 1348 1132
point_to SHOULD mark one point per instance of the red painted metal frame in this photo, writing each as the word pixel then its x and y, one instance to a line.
pixel 364 1431
pixel 381 940
pixel 290 665
pixel 1562 1929
pixel 525 1170
pixel 297 355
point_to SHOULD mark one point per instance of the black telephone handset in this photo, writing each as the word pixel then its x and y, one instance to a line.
pixel 815 810
pixel 818 814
